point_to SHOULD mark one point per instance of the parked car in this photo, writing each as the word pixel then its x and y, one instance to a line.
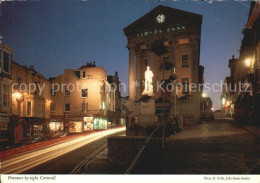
pixel 207 116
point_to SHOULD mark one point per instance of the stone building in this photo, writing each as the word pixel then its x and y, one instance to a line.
pixel 245 72
pixel 167 41
pixel 115 85
pixel 82 100
pixel 5 92
pixel 30 102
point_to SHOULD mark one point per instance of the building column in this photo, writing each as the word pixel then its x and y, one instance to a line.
pixel 131 83
pixel 138 76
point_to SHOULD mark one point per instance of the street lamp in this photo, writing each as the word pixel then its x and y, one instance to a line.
pixel 204 95
pixel 248 62
pixel 18 96
pixel 223 101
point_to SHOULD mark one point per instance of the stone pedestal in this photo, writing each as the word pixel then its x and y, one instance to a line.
pixel 142 113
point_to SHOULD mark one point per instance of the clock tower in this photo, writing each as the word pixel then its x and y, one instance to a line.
pixel 166 40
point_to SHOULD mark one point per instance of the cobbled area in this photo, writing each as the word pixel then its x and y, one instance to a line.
pixel 217 147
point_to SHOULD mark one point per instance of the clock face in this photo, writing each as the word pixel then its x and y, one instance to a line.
pixel 160 18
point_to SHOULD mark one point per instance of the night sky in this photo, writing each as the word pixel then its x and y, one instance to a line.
pixel 54 36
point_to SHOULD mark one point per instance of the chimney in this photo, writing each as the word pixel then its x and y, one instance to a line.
pixel 32 67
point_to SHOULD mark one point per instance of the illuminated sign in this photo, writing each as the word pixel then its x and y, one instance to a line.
pixel 159 31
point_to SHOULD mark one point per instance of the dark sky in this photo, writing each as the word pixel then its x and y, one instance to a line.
pixel 54 36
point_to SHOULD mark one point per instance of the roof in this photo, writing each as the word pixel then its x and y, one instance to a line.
pixel 172 17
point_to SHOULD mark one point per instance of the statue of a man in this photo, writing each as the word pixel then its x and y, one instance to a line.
pixel 148 85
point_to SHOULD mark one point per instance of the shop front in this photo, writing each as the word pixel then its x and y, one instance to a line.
pixel 4 135
pixel 88 123
pixel 100 123
pixel 75 126
pixel 35 126
pixel 56 126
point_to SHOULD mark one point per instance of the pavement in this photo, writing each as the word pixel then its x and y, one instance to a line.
pixel 39 145
pixel 216 147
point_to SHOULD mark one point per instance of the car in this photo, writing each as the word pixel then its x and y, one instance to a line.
pixel 207 116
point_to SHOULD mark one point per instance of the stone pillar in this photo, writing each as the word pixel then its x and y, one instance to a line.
pixel 138 76
pixel 131 83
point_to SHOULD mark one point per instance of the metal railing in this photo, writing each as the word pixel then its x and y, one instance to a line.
pixel 130 168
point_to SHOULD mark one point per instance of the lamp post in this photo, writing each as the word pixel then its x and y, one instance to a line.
pixel 204 95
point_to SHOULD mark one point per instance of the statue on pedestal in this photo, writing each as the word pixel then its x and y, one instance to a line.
pixel 148 84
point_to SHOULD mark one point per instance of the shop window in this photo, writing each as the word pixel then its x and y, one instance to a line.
pixel 28 131
pixel 84 93
pixel 29 108
pixel 5 95
pixel 185 61
pixel 67 107
pixel 37 129
pixel 75 127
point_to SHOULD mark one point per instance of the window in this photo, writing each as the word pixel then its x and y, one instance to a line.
pixel 52 107
pixel 84 93
pixel 67 107
pixel 52 91
pixel 84 74
pixel 67 93
pixel 36 92
pixel 84 107
pixel 77 74
pixel 19 80
pixel 185 61
pixel 29 108
pixel 6 62
pixel 28 131
pixel 37 129
pixel 5 95
pixel 185 85
pixel 18 107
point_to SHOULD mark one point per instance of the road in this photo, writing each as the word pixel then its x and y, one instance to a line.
pixel 60 158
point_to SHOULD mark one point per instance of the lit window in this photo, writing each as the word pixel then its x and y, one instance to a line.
pixel 67 107
pixel 185 61
pixel 52 91
pixel 29 108
pixel 28 131
pixel 84 107
pixel 84 93
pixel 185 85
pixel 37 129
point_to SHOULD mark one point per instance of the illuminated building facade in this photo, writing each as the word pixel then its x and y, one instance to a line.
pixel 30 102
pixel 82 99
pixel 243 97
pixel 167 41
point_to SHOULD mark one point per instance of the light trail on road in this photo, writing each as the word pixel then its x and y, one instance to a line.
pixel 29 160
